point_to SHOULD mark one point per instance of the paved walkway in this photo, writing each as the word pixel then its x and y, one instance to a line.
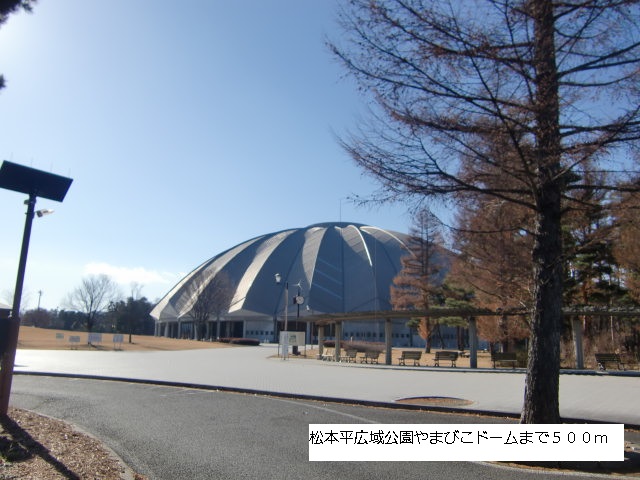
pixel 608 397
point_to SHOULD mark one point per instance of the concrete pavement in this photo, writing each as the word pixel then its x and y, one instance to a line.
pixel 608 397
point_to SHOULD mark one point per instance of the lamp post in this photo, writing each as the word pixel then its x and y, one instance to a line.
pixel 286 299
pixel 297 300
pixel 34 183
pixel 285 338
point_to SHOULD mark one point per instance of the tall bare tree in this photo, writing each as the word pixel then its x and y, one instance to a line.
pixel 557 80
pixel 210 296
pixel 92 297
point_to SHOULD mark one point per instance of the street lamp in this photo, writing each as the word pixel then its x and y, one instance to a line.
pixel 34 183
pixel 297 300
pixel 285 343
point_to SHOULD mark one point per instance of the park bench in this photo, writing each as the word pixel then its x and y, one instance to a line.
pixel 499 358
pixel 410 355
pixel 446 356
pixel 370 356
pixel 349 356
pixel 327 354
pixel 603 358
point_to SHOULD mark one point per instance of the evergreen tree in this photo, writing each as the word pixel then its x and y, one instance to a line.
pixel 418 285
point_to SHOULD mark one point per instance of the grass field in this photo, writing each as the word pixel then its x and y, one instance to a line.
pixel 46 339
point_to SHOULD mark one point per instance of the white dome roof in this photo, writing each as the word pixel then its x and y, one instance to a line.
pixel 340 267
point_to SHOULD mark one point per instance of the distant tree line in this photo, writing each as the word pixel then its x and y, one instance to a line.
pixel 96 305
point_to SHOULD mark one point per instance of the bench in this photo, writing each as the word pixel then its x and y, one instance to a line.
pixel 327 354
pixel 410 355
pixel 349 356
pixel 447 356
pixel 370 356
pixel 603 358
pixel 499 358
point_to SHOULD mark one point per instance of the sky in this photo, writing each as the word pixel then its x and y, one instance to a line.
pixel 187 127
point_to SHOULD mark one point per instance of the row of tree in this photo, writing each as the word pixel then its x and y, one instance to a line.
pixel 489 267
pixel 97 305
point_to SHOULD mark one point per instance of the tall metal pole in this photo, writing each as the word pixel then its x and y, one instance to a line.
pixel 9 356
pixel 286 306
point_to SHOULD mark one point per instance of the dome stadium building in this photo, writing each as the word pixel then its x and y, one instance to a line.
pixel 326 268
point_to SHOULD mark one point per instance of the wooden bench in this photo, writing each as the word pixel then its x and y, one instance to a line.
pixel 447 356
pixel 499 358
pixel 410 355
pixel 370 356
pixel 327 354
pixel 349 356
pixel 603 358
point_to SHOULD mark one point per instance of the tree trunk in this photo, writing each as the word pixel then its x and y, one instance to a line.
pixel 89 328
pixel 541 399
pixel 541 403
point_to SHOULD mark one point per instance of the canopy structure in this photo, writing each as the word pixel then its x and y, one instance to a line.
pixel 335 267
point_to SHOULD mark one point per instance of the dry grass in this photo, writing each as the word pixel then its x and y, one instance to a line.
pixel 45 339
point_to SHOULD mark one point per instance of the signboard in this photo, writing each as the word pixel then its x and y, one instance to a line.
pixel 296 339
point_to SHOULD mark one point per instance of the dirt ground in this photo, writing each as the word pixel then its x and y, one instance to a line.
pixel 46 339
pixel 36 447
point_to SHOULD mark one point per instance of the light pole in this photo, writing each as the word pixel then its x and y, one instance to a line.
pixel 285 337
pixel 286 299
pixel 297 300
pixel 34 183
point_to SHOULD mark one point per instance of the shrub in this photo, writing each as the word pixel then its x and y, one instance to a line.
pixel 241 341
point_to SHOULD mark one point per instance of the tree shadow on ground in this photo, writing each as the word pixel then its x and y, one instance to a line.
pixel 17 445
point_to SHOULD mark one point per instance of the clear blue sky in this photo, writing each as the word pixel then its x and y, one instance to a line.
pixel 187 127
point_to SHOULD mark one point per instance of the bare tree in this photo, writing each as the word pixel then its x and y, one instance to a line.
pixel 93 297
pixel 210 296
pixel 557 81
